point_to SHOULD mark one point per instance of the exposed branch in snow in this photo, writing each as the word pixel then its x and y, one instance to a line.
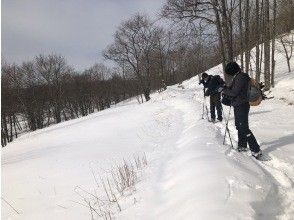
pixel 10 205
pixel 118 183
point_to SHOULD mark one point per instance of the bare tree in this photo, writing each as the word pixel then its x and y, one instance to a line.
pixel 287 43
pixel 273 62
pixel 267 46
pixel 133 44
pixel 257 38
pixel 52 68
pixel 246 38
pixel 215 14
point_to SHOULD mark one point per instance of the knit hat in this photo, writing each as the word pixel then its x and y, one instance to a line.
pixel 232 68
pixel 204 75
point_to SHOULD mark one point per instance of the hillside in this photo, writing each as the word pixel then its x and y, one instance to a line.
pixel 190 173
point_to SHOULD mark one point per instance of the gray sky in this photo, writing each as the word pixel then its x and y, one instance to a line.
pixel 77 29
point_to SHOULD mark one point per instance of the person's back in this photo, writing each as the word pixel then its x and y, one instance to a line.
pixel 239 88
pixel 213 84
pixel 238 91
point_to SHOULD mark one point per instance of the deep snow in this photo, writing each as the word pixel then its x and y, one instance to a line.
pixel 190 175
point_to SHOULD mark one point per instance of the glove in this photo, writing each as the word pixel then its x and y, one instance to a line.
pixel 207 92
pixel 226 100
pixel 261 85
pixel 220 89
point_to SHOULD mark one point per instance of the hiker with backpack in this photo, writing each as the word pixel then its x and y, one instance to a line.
pixel 240 94
pixel 212 83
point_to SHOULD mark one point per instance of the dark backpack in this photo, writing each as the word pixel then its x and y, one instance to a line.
pixel 214 83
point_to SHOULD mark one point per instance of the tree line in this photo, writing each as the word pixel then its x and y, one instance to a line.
pixel 47 90
pixel 148 56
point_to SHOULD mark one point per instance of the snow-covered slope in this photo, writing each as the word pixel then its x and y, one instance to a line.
pixel 190 173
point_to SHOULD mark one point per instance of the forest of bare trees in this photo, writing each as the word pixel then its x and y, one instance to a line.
pixel 147 54
pixel 239 26
pixel 47 91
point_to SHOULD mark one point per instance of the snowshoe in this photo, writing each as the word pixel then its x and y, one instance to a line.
pixel 261 157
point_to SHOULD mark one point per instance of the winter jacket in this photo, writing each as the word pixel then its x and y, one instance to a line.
pixel 238 89
pixel 213 84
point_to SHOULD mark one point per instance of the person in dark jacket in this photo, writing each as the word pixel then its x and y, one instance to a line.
pixel 212 84
pixel 238 93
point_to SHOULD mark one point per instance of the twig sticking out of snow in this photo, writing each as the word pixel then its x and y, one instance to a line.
pixel 10 205
pixel 119 182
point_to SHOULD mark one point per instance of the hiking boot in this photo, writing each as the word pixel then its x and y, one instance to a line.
pixel 242 149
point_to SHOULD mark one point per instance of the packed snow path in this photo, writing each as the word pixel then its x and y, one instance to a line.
pixel 191 175
pixel 200 178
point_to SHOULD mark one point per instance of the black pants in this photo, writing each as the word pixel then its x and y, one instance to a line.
pixel 245 135
pixel 216 103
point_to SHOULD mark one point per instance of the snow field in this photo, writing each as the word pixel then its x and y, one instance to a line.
pixel 190 173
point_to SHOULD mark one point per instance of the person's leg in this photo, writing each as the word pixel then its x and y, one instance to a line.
pixel 244 133
pixel 219 107
pixel 239 122
pixel 253 145
pixel 212 107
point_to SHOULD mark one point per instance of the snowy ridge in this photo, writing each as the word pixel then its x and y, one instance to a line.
pixel 190 173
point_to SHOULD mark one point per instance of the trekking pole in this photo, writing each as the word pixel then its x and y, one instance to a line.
pixel 203 105
pixel 203 108
pixel 227 127
pixel 207 113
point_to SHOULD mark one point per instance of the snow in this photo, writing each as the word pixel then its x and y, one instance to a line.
pixel 190 173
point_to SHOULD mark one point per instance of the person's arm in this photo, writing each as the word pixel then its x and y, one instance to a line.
pixel 205 84
pixel 236 88
pixel 222 82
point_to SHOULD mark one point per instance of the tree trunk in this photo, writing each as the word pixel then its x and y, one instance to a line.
pixel 267 78
pixel 226 30
pixel 241 35
pixel 257 74
pixel 273 44
pixel 14 125
pixel 247 49
pixel 4 129
pixel 286 54
pixel 11 128
pixel 221 39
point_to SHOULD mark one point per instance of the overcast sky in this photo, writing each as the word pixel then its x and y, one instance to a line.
pixel 77 29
